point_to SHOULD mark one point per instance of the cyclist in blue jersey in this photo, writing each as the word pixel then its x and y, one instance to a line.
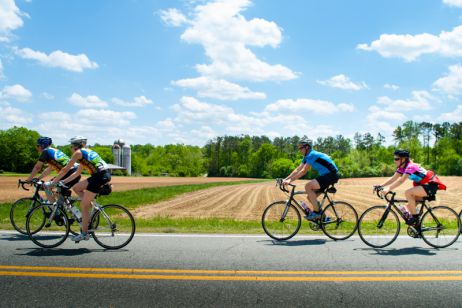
pixel 55 160
pixel 86 189
pixel 324 165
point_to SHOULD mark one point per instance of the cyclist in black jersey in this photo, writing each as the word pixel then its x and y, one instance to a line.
pixel 55 159
pixel 88 188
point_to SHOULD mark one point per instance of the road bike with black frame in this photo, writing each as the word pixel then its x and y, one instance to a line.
pixel 281 220
pixel 23 207
pixel 112 226
pixel 379 226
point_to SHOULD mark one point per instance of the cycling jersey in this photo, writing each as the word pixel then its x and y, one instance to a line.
pixel 419 175
pixel 320 162
pixel 92 162
pixel 55 158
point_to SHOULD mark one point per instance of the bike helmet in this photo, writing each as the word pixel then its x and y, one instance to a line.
pixel 402 153
pixel 78 140
pixel 44 142
pixel 305 141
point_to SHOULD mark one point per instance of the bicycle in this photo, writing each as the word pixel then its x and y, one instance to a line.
pixel 22 207
pixel 281 220
pixel 107 222
pixel 379 226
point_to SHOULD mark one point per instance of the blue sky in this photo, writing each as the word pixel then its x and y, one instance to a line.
pixel 164 72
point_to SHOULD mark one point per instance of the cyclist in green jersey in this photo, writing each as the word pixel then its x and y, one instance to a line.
pixel 88 188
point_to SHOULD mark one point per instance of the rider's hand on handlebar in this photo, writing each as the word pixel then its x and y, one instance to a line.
pixel 385 190
pixel 286 182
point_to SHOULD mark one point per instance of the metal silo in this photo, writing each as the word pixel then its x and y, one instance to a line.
pixel 117 154
pixel 127 158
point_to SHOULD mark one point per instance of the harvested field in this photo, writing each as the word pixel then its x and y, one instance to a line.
pixel 9 190
pixel 247 201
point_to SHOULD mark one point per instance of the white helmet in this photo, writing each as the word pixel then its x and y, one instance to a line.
pixel 78 140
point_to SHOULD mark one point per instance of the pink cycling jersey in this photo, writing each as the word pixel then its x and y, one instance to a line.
pixel 415 171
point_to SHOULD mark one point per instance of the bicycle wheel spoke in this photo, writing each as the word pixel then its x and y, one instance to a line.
pixel 339 220
pixel 376 230
pixel 440 227
pixel 47 231
pixel 281 222
pixel 18 213
pixel 113 227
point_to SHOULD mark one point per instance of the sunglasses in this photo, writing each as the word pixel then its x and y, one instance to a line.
pixel 301 148
pixel 397 158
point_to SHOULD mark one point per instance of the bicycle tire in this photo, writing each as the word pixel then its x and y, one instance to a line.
pixel 19 212
pixel 276 220
pixel 449 227
pixel 369 230
pixel 45 239
pixel 348 223
pixel 100 226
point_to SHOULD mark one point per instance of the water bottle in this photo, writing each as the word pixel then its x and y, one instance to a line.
pixel 305 208
pixel 405 212
pixel 76 212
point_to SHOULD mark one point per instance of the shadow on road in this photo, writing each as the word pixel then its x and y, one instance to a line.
pixel 308 242
pixel 14 237
pixel 401 252
pixel 41 252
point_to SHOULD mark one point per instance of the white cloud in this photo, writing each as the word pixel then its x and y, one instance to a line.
pixel 91 101
pixel 455 3
pixel 173 17
pixel 391 86
pixel 139 101
pixel 421 100
pixel 378 120
pixel 411 47
pixel 309 105
pixel 455 116
pixel 219 89
pixel 10 19
pixel 58 58
pixel 10 116
pixel 16 92
pixel 105 117
pixel 225 35
pixel 451 84
pixel 47 96
pixel 2 76
pixel 342 82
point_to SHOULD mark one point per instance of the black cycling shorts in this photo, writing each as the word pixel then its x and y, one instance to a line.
pixel 430 189
pixel 327 179
pixel 97 180
pixel 74 181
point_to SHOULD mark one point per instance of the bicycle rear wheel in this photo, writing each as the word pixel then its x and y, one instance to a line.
pixel 280 221
pixel 112 226
pixel 46 233
pixel 19 211
pixel 339 220
pixel 440 226
pixel 377 229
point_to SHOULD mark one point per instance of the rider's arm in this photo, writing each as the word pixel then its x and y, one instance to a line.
pixel 45 172
pixel 38 166
pixel 399 182
pixel 76 156
pixel 298 172
pixel 392 179
pixel 73 175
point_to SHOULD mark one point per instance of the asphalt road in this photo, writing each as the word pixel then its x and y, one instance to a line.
pixel 222 271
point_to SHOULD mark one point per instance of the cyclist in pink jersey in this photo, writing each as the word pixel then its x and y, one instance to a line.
pixel 426 183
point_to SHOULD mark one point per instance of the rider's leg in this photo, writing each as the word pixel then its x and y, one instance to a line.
pixel 412 195
pixel 80 187
pixel 311 190
pixel 85 205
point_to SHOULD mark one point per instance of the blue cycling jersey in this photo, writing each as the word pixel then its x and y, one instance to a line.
pixel 320 162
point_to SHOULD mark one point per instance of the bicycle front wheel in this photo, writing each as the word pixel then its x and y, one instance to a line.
pixel 49 233
pixel 112 227
pixel 339 220
pixel 378 227
pixel 440 226
pixel 18 213
pixel 281 221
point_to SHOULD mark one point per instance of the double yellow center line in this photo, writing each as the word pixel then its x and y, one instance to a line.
pixel 227 275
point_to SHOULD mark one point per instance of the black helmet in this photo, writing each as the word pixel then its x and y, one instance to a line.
pixel 305 141
pixel 402 153
pixel 44 142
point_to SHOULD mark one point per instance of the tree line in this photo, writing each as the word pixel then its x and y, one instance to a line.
pixel 435 146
